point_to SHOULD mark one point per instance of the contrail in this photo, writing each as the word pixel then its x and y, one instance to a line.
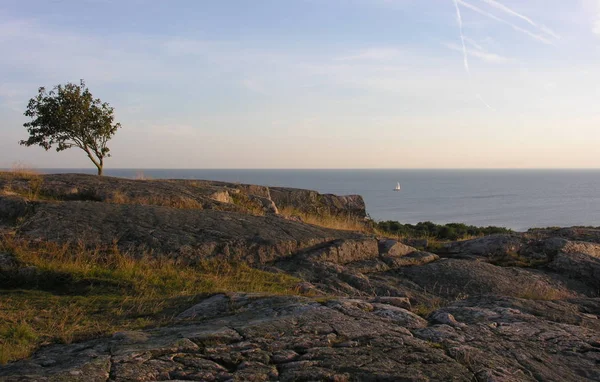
pixel 479 53
pixel 479 97
pixel 512 12
pixel 506 9
pixel 462 38
pixel 515 27
pixel 465 56
pixel 473 43
pixel 549 32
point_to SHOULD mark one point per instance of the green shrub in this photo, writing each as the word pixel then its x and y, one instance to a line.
pixel 450 231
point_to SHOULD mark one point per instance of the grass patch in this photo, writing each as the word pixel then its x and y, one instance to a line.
pixel 544 292
pixel 424 309
pixel 29 184
pixel 327 220
pixel 252 207
pixel 513 259
pixel 182 202
pixel 435 345
pixel 21 170
pixel 90 293
pixel 23 182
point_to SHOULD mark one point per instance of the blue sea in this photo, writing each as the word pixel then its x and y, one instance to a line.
pixel 517 199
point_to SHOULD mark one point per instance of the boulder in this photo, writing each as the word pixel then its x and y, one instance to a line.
pixel 346 251
pixel 411 259
pixel 394 248
pixel 267 204
pixel 400 302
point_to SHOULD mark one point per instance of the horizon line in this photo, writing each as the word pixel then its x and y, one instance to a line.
pixel 311 169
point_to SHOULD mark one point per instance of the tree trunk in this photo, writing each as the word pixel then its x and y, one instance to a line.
pixel 100 166
pixel 98 163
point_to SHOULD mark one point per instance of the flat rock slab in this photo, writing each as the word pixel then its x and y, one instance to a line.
pixel 186 234
pixel 452 278
pixel 486 246
pixel 287 338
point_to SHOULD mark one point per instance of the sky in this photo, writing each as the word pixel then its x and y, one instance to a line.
pixel 313 83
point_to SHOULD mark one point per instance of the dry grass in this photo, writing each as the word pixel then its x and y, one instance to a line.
pixel 247 204
pixel 513 259
pixel 22 170
pixel 544 292
pixel 23 181
pixel 182 202
pixel 347 223
pixel 75 293
pixel 141 176
pixel 424 309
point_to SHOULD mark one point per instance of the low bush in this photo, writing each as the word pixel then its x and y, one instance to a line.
pixel 450 231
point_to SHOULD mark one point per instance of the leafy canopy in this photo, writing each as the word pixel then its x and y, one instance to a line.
pixel 68 116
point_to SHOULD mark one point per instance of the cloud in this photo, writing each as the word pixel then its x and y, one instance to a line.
pixel 596 26
pixel 373 54
pixel 534 36
pixel 54 54
pixel 479 53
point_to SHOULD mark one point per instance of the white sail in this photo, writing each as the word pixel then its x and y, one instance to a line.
pixel 397 187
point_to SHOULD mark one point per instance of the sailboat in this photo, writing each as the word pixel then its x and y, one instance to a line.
pixel 397 187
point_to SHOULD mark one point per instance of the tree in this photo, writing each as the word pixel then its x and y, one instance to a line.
pixel 68 116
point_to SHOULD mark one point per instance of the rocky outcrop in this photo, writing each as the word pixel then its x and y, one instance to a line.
pixel 263 338
pixel 312 202
pixel 579 266
pixel 488 246
pixel 187 194
pixel 588 234
pixel 454 278
pixel 515 307
pixel 186 234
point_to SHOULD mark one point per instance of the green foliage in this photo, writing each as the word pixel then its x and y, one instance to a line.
pixel 68 116
pixel 450 231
